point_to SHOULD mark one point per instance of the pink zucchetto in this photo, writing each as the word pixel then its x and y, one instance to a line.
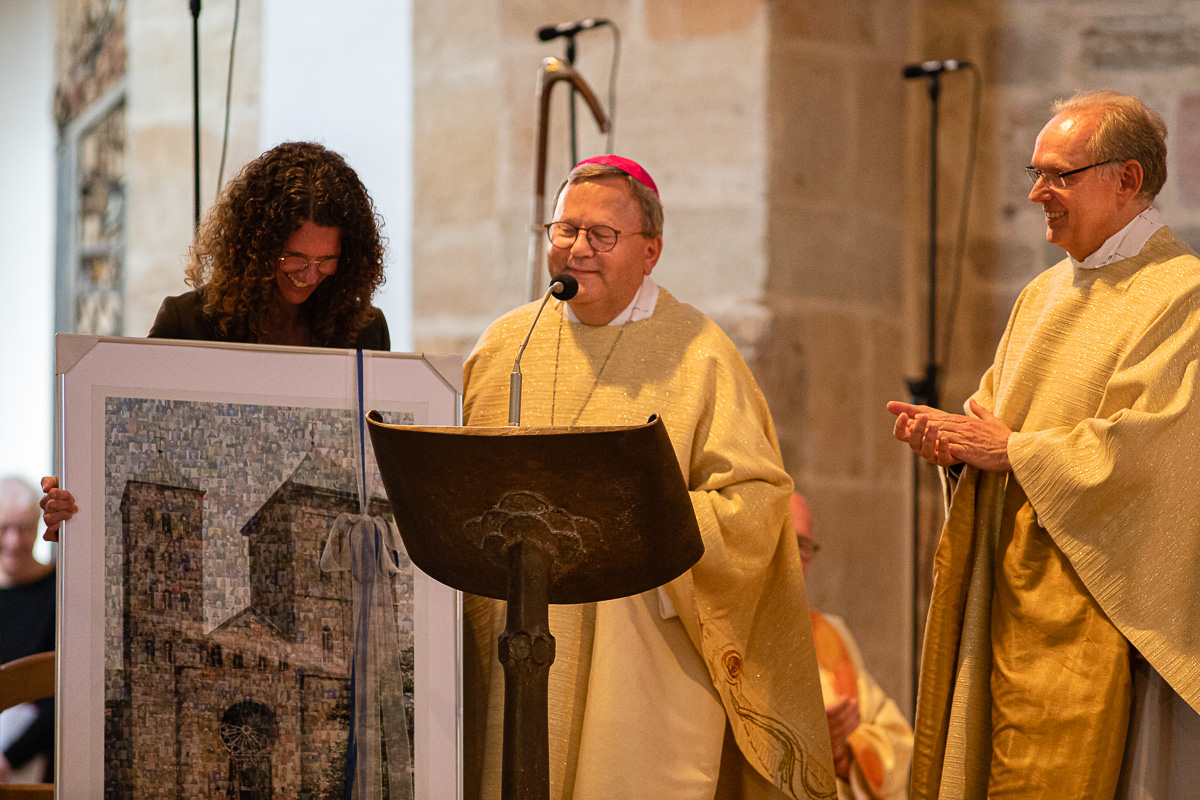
pixel 626 165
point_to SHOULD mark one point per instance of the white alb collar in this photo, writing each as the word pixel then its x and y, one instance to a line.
pixel 641 307
pixel 1125 243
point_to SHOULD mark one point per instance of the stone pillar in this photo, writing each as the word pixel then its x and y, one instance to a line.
pixel 834 350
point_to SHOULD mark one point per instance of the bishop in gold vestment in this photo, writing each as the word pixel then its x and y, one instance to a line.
pixel 707 687
pixel 1073 536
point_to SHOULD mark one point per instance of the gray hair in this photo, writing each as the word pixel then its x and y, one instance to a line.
pixel 647 200
pixel 1128 129
pixel 17 492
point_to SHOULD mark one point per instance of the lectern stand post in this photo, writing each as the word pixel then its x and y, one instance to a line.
pixel 526 653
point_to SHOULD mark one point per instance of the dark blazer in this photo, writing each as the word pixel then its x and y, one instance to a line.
pixel 182 317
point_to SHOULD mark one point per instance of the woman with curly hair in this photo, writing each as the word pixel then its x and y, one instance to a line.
pixel 290 254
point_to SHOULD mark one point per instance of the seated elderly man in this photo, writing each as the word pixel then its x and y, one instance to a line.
pixel 26 627
pixel 709 686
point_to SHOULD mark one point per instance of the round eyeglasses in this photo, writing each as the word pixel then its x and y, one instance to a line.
pixel 1058 180
pixel 295 263
pixel 602 238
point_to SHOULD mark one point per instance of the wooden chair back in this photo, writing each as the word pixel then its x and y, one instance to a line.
pixel 23 681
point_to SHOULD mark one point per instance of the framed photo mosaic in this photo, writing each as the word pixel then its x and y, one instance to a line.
pixel 237 618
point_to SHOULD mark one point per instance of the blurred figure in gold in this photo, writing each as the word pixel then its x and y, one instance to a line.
pixel 872 742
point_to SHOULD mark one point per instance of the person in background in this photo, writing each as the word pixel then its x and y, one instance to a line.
pixel 26 627
pixel 872 742
pixel 290 254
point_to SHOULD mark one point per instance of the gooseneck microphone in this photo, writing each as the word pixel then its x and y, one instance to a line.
pixel 927 68
pixel 563 287
pixel 550 32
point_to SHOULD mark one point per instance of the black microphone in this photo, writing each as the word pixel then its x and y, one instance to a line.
pixel 927 68
pixel 569 28
pixel 563 287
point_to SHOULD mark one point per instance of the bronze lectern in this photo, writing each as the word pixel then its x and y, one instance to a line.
pixel 536 516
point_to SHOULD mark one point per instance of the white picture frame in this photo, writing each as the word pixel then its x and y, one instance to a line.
pixel 162 390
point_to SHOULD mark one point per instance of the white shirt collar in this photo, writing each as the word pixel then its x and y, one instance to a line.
pixel 1125 243
pixel 641 307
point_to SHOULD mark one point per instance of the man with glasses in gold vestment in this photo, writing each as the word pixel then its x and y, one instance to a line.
pixel 707 687
pixel 1062 649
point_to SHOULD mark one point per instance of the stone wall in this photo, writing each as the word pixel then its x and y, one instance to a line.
pixel 694 67
pixel 160 182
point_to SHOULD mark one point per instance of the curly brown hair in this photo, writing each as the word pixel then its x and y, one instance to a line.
pixel 234 256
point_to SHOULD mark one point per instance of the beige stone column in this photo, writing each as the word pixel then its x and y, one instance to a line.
pixel 835 349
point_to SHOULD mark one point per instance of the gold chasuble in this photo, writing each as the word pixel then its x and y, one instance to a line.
pixel 641 688
pixel 1045 576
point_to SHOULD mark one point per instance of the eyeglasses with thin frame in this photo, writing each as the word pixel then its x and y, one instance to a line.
pixel 1058 180
pixel 295 263
pixel 602 238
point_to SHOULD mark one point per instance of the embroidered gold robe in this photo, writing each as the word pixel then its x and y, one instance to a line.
pixel 1043 577
pixel 736 664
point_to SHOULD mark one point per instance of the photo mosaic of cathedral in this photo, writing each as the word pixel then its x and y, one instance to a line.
pixel 228 647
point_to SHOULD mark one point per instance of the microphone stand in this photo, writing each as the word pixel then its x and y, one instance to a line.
pixel 924 390
pixel 514 378
pixel 570 56
pixel 194 6
pixel 562 287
